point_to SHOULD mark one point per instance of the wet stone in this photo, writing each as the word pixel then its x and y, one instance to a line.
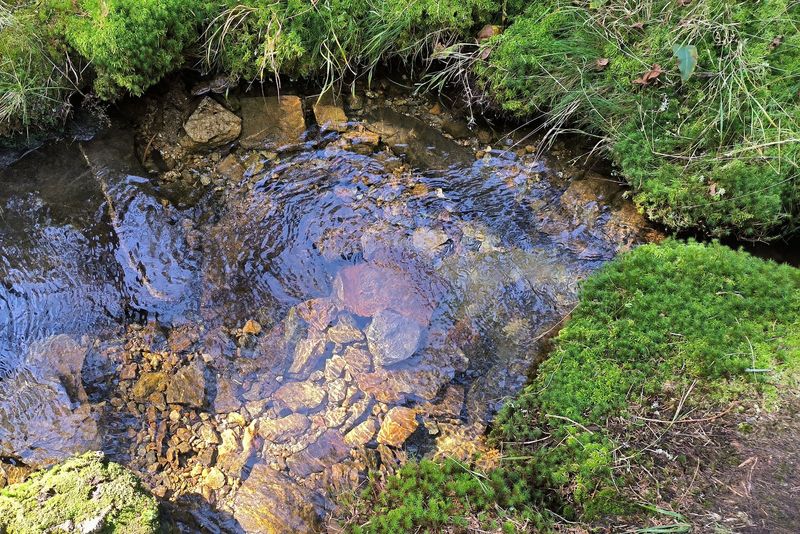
pixel 211 125
pixel 284 430
pixel 362 433
pixel 398 424
pixel 392 337
pixel 366 289
pixel 271 121
pixel 359 361
pixel 261 504
pixel 329 449
pixel 188 386
pixel 301 396
pixel 148 384
pixel 307 353
pixel 345 331
pixel 329 114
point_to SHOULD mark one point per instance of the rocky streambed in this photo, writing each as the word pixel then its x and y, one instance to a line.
pixel 254 301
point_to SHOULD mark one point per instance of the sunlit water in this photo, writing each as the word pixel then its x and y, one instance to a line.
pixel 483 255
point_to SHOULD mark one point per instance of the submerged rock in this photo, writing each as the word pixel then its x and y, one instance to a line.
pixel 398 424
pixel 392 337
pixel 84 494
pixel 262 504
pixel 188 387
pixel 271 121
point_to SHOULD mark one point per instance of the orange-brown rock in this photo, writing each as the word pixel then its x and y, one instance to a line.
pixel 362 433
pixel 398 424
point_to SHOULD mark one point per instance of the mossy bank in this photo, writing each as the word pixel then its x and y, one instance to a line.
pixel 666 335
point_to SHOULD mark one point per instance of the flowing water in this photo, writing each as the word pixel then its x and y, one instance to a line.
pixel 253 339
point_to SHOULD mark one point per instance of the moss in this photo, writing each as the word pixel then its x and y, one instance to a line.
pixel 427 496
pixel 717 151
pixel 79 489
pixel 132 43
pixel 649 324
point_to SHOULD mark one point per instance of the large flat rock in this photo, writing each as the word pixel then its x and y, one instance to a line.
pixel 271 121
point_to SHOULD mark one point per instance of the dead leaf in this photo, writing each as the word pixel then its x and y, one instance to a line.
pixel 489 31
pixel 649 76
pixel 638 25
pixel 684 3
pixel 776 42
pixel 601 63
pixel 712 190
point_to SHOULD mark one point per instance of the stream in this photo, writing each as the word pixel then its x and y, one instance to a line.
pixel 252 310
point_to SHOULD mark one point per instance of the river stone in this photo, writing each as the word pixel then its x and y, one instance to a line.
pixel 270 121
pixel 227 398
pixel 359 361
pixel 362 433
pixel 366 289
pixel 301 396
pixel 398 424
pixel 212 125
pixel 148 384
pixel 307 354
pixel 188 387
pixel 328 114
pixel 283 430
pixel 329 449
pixel 392 337
pixel 317 312
pixel 428 240
pixel 345 331
pixel 269 502
pixel 64 357
pixel 214 479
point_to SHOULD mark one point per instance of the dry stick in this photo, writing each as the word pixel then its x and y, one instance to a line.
pixel 570 420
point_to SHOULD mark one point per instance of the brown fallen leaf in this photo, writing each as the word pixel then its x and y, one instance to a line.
pixel 649 76
pixel 638 25
pixel 489 31
pixel 776 42
pixel 712 190
pixel 601 63
pixel 684 3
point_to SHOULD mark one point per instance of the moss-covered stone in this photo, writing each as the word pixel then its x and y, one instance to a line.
pixel 82 492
